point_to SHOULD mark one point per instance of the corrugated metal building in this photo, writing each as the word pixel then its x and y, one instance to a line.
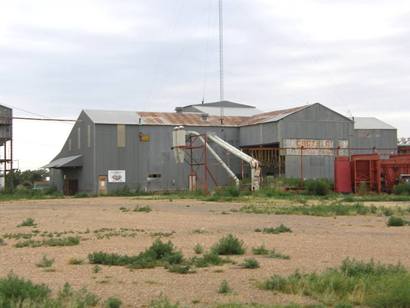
pixel 136 146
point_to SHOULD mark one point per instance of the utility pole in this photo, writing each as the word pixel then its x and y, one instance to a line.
pixel 221 58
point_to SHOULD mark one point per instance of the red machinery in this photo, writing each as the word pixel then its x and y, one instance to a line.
pixel 366 171
pixel 370 172
pixel 394 170
pixel 343 178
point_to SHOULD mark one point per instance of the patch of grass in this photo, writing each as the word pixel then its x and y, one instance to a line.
pixel 180 268
pixel 28 222
pixel 96 269
pixel 198 249
pixel 280 229
pixel 162 302
pixel 394 221
pixel 353 283
pixel 45 262
pixel 159 254
pixel 229 245
pixel 260 250
pixel 15 291
pixel 402 189
pixel 124 209
pixel 144 208
pixel 250 263
pixel 208 259
pixel 320 187
pixel 76 261
pixel 113 302
pixel 277 255
pixel 326 210
pixel 63 241
pixel 224 288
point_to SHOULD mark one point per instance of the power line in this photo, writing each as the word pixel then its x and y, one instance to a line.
pixel 41 119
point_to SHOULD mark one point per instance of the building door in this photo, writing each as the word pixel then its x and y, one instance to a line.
pixel 70 187
pixel 102 184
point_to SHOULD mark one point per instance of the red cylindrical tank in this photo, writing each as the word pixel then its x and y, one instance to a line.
pixel 343 179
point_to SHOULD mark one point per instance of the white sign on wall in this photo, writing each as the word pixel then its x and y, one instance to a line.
pixel 116 176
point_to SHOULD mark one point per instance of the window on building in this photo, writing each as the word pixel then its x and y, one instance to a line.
pixel 120 135
pixel 79 137
pixel 89 136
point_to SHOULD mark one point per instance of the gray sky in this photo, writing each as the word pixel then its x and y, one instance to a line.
pixel 58 57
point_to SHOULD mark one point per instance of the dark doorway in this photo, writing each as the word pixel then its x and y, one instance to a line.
pixel 70 187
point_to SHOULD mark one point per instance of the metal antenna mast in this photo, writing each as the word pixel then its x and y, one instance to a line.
pixel 221 58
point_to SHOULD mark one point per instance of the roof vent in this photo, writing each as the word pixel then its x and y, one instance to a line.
pixel 179 109
pixel 204 116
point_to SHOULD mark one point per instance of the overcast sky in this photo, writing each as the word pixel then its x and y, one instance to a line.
pixel 58 57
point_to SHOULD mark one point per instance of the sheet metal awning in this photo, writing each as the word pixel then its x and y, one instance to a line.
pixel 66 162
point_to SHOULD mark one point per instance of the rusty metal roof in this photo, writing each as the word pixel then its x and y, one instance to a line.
pixel 184 118
pixel 272 116
pixel 192 119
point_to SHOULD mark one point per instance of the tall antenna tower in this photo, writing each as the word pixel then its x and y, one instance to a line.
pixel 221 58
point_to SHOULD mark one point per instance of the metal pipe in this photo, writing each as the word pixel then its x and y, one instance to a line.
pixel 217 157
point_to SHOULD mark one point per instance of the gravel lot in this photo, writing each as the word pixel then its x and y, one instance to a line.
pixel 315 244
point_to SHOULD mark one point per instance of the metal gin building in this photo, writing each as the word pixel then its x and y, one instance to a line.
pixel 109 150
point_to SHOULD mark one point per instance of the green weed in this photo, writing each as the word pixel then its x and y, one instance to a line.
pixel 250 263
pixel 45 262
pixel 229 245
pixel 224 288
pixel 28 222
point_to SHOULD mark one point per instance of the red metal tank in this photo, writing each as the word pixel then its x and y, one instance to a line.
pixel 343 179
pixel 366 171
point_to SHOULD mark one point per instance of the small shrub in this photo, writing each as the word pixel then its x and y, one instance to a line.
pixel 124 209
pixel 250 263
pixel 75 261
pixel 63 241
pixel 260 250
pixel 277 255
pixel 14 291
pixel 45 262
pixel 229 245
pixel 97 269
pixel 224 288
pixel 113 302
pixel 319 187
pixel 162 302
pixel 145 209
pixel 281 229
pixel 208 259
pixel 180 268
pixel 402 189
pixel 198 249
pixel 394 221
pixel 2 242
pixel 28 222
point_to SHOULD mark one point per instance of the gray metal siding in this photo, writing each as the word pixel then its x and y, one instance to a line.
pixel 266 133
pixel 375 138
pixel 139 159
pixel 319 123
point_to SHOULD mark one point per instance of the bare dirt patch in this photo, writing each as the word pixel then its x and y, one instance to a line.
pixel 314 244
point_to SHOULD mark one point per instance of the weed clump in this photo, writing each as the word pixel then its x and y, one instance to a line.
pixel 2 242
pixel 159 254
pixel 280 229
pixel 260 250
pixel 402 189
pixel 224 288
pixel 353 283
pixel 62 241
pixel 229 245
pixel 198 249
pixel 45 262
pixel 113 302
pixel 28 222
pixel 394 221
pixel 75 261
pixel 144 209
pixel 208 259
pixel 250 263
pixel 319 187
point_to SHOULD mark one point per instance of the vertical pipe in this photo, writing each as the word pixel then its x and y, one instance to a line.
pixel 206 165
pixel 301 165
pixel 221 59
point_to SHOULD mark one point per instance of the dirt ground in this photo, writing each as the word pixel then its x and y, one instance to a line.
pixel 315 244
